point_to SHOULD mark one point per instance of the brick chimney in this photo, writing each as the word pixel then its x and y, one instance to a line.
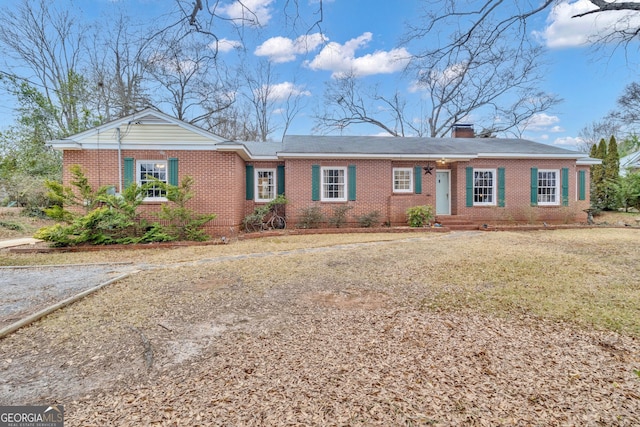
pixel 460 130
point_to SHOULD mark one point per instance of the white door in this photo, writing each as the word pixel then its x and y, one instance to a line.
pixel 443 188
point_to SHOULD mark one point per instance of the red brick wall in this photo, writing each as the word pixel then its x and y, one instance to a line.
pixel 219 179
pixel 374 189
pixel 220 186
pixel 518 193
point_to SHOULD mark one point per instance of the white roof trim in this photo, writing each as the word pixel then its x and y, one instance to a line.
pixel 588 161
pixel 237 148
pixel 526 156
pixel 65 144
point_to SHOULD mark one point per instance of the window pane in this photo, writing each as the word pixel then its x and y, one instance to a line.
pixel 148 173
pixel 266 185
pixel 333 183
pixel 402 179
pixel 483 183
pixel 547 187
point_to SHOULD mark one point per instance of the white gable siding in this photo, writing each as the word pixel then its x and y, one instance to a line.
pixel 148 136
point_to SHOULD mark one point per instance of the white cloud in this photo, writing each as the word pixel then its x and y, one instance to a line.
pixel 563 30
pixel 252 12
pixel 282 91
pixel 341 59
pixel 543 121
pixel 568 142
pixel 226 45
pixel 283 49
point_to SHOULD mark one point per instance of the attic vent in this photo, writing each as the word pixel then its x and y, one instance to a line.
pixel 460 130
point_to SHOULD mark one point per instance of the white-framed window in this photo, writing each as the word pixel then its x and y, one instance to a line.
pixel 148 171
pixel 334 184
pixel 548 187
pixel 265 185
pixel 484 187
pixel 402 180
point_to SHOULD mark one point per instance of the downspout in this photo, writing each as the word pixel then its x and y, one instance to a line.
pixel 119 161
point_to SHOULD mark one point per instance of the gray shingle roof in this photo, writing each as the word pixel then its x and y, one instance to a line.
pixel 362 147
pixel 432 147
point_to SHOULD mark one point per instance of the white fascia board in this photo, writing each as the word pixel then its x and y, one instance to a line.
pixel 276 157
pixel 64 144
pixel 525 156
pixel 240 149
pixel 588 162
pixel 146 146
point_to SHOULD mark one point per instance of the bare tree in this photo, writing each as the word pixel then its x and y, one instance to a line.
pixel 49 43
pixel 628 106
pixel 347 103
pixel 235 123
pixel 203 15
pixel 186 75
pixel 592 133
pixel 118 71
pixel 481 73
pixel 511 17
pixel 265 97
pixel 487 78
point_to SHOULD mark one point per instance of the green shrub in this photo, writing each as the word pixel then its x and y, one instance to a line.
pixel 255 220
pixel 310 217
pixel 11 226
pixel 339 217
pixel 184 223
pixel 419 216
pixel 113 218
pixel 369 220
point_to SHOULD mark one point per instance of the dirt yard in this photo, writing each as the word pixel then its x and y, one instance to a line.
pixel 474 328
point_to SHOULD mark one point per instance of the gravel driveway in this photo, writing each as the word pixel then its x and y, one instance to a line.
pixel 25 290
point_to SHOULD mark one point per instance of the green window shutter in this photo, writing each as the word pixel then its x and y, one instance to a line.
pixel 351 178
pixel 534 186
pixel 469 185
pixel 173 171
pixel 280 179
pixel 249 182
pixel 417 178
pixel 128 171
pixel 565 186
pixel 501 187
pixel 315 183
pixel 582 185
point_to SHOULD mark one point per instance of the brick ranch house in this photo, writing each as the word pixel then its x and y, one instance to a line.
pixel 477 180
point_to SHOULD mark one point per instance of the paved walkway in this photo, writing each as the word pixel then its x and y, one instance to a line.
pixel 9 243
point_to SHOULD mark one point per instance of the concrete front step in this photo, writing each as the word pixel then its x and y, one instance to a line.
pixel 457 222
pixel 460 227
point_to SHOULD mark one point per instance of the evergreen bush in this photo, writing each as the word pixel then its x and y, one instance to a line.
pixel 420 216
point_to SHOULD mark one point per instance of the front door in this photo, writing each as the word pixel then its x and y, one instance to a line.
pixel 443 188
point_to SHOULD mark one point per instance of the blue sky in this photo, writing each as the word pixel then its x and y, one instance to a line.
pixel 363 35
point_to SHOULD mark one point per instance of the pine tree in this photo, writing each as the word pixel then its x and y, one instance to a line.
pixel 598 192
pixel 611 175
pixel 612 160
